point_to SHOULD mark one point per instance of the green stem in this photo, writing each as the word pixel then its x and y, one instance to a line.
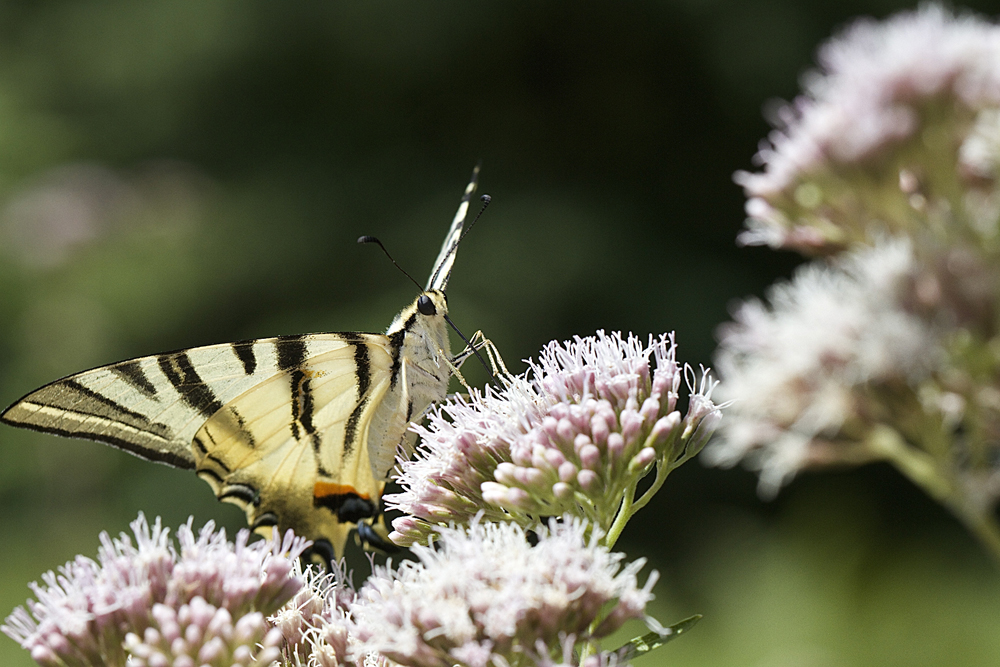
pixel 625 512
pixel 630 506
pixel 662 470
pixel 590 647
pixel 919 466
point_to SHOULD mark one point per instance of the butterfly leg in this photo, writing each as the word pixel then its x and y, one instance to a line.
pixel 453 367
pixel 480 342
pixel 476 343
pixel 374 536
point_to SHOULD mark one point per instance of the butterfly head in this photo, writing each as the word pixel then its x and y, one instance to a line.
pixel 426 306
pixel 425 316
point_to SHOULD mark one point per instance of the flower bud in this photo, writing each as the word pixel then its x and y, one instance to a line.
pixel 587 479
pixel 590 456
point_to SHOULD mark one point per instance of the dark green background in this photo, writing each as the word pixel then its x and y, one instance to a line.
pixel 221 158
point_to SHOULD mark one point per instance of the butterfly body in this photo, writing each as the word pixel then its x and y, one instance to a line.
pixel 300 431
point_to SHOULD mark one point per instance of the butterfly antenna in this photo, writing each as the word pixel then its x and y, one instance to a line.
pixel 486 199
pixel 372 239
pixel 475 350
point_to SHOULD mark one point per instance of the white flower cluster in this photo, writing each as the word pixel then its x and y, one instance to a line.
pixel 887 117
pixel 486 596
pixel 887 348
pixel 314 624
pixel 799 371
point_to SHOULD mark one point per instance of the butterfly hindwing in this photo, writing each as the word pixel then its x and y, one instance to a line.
pixel 292 451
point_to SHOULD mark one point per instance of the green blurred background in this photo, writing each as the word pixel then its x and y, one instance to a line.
pixel 178 173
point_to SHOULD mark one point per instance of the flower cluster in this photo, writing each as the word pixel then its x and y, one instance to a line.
pixel 887 349
pixel 899 127
pixel 154 605
pixel 802 372
pixel 574 434
pixel 486 596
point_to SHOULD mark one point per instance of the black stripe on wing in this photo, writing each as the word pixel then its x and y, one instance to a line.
pixel 291 351
pixel 133 374
pixel 68 408
pixel 72 396
pixel 244 352
pixel 161 456
pixel 244 493
pixel 180 373
pixel 363 377
pixel 397 340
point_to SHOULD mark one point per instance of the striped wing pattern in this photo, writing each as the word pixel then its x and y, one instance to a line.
pixel 275 425
pixel 446 257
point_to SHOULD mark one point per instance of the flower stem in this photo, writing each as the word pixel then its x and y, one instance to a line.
pixel 630 506
pixel 917 465
pixel 625 511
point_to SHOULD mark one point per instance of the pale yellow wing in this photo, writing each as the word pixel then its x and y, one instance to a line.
pixel 293 450
pixel 289 418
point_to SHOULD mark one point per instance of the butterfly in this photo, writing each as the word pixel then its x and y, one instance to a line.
pixel 299 431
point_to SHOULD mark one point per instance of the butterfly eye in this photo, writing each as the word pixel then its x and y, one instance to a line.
pixel 426 306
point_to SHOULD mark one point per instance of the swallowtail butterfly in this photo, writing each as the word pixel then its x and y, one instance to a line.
pixel 300 431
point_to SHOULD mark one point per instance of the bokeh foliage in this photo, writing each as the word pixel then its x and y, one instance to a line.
pixel 176 173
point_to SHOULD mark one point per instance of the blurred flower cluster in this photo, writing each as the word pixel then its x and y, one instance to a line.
pixel 513 562
pixel 887 346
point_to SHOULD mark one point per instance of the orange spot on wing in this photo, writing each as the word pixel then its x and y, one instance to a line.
pixel 324 489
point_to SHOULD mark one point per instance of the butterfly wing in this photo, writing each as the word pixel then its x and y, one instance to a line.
pixel 278 426
pixel 446 257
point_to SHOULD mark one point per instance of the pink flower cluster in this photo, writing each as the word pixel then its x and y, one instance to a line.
pixel 572 435
pixel 171 604
pixel 198 634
